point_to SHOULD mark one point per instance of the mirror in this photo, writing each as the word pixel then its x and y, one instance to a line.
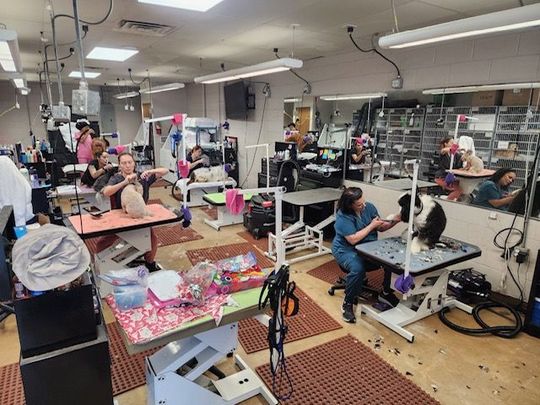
pixel 379 135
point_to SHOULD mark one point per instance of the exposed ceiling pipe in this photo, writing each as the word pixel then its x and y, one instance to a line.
pixel 58 73
pixel 82 83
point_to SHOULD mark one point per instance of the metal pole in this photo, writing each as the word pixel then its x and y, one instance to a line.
pixel 408 252
pixel 530 201
pixel 58 73
pixel 79 43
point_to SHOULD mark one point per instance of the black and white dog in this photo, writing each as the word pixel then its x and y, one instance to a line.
pixel 429 220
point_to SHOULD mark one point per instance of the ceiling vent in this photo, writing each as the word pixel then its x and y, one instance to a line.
pixel 143 28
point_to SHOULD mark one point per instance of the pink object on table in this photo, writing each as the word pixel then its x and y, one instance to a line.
pixel 183 168
pixel 146 323
pixel 234 201
pixel 462 118
pixel 454 148
pixel 177 119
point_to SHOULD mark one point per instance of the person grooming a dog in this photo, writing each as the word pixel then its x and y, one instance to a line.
pixel 197 158
pixel 96 168
pixel 444 165
pixel 125 176
pixel 493 193
pixel 357 221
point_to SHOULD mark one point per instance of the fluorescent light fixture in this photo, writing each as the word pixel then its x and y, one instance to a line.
pixel 10 57
pixel 273 66
pixel 88 75
pixel 353 96
pixel 484 87
pixel 19 83
pixel 195 5
pixel 163 87
pixel 507 20
pixel 112 54
pixel 292 100
pixel 129 94
pixel 25 91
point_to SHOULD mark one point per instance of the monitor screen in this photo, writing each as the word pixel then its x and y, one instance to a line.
pixel 236 100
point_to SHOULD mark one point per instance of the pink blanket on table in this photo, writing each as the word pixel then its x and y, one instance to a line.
pixel 149 322
pixel 117 219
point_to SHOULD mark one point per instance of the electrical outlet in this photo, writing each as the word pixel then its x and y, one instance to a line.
pixel 397 83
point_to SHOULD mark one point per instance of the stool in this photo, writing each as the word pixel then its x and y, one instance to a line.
pixel 340 284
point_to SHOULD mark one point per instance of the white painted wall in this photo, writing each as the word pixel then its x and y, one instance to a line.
pixel 473 225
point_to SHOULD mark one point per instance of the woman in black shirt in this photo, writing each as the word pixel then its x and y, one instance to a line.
pixel 96 168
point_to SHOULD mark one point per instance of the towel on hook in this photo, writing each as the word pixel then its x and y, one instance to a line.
pixel 234 201
pixel 467 143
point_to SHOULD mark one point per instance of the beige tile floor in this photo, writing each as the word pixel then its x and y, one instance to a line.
pixel 439 357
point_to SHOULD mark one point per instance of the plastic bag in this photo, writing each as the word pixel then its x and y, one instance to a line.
pixel 229 282
pixel 131 276
pixel 237 263
pixel 196 283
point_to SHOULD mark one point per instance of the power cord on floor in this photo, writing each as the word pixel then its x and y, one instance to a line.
pixel 504 331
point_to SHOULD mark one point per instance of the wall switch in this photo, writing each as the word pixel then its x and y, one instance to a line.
pixel 492 215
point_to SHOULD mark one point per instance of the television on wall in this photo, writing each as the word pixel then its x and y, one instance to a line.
pixel 236 100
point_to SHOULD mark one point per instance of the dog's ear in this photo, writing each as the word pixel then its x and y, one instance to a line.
pixel 418 201
pixel 404 198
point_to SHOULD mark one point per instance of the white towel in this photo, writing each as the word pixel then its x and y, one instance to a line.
pixel 16 191
pixel 467 143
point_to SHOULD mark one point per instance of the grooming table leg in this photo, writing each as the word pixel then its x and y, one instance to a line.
pixel 171 382
pixel 431 288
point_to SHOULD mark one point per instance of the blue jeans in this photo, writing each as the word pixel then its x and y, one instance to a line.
pixel 357 266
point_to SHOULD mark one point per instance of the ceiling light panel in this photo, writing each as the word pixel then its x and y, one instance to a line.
pixel 161 88
pixel 19 83
pixel 129 94
pixel 484 87
pixel 353 96
pixel 194 5
pixel 10 57
pixel 111 54
pixel 87 75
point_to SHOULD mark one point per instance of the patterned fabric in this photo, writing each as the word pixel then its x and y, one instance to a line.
pixel 149 322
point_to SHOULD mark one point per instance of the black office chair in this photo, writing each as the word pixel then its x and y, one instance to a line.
pixel 368 292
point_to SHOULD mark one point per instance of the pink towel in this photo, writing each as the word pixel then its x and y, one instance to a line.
pixel 183 168
pixel 234 201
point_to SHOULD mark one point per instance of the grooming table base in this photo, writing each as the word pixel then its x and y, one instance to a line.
pixel 224 218
pixel 428 297
pixel 170 381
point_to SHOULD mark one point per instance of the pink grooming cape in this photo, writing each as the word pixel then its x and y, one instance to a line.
pixel 234 201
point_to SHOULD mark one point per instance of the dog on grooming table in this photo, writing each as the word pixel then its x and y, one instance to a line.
pixel 429 220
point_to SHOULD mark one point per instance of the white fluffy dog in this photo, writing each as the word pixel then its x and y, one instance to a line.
pixel 132 201
pixel 209 174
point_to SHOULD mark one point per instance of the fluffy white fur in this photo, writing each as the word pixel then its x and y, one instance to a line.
pixel 209 174
pixel 132 201
pixel 473 163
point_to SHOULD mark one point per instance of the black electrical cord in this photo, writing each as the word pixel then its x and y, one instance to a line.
pixel 256 143
pixel 277 287
pixel 109 12
pixel 294 73
pixel 377 52
pixel 507 253
pixel 137 83
pixel 504 331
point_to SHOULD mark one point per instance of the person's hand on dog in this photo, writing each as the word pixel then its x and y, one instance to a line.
pixel 131 178
pixel 146 174
pixel 376 223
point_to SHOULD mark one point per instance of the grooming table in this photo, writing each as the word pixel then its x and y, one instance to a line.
pixel 405 184
pixel 88 193
pixel 430 278
pixel 133 234
pixel 208 344
pixel 300 236
pixel 469 180
pixel 198 190
pixel 224 216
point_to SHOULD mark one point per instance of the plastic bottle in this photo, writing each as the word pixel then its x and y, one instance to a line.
pixel 34 179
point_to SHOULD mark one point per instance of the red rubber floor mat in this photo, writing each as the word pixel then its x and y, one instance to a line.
pixel 330 272
pixel 311 320
pixel 127 371
pixel 345 371
pixel 210 211
pixel 167 235
pixel 222 252
pixel 261 243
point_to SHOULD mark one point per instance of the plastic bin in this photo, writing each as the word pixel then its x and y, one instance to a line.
pixel 130 296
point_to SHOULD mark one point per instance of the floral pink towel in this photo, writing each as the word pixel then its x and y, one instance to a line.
pixel 146 323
